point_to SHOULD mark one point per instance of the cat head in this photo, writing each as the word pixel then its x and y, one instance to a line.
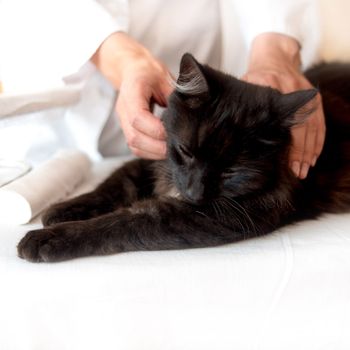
pixel 227 137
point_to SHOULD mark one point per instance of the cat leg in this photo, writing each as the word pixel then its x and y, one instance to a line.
pixel 147 225
pixel 127 184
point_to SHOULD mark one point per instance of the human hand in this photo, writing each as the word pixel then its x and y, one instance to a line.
pixel 275 62
pixel 145 81
pixel 141 80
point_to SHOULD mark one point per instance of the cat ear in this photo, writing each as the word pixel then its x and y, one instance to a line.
pixel 191 82
pixel 294 108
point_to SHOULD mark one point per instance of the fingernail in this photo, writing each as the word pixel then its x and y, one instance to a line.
pixel 296 168
pixel 314 160
pixel 304 170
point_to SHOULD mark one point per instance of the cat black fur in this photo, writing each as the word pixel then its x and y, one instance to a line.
pixel 226 177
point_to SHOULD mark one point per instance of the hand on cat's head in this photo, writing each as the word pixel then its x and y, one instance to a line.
pixel 141 79
pixel 275 62
pixel 225 135
pixel 147 82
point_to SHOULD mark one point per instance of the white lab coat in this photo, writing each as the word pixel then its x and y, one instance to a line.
pixel 45 41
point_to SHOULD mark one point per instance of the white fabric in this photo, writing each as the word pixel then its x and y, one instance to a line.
pixel 42 133
pixel 14 104
pixel 47 45
pixel 299 19
pixel 171 28
pixel 289 290
pixel 49 183
pixel 44 41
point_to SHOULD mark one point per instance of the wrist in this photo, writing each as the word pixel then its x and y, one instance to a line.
pixel 116 54
pixel 274 50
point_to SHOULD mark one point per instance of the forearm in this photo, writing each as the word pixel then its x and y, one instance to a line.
pixel 141 79
pixel 274 50
pixel 115 55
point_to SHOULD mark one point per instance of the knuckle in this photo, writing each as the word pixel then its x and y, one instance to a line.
pixel 135 122
pixel 132 141
pixel 319 98
pixel 159 133
pixel 271 80
pixel 136 152
pixel 307 157
pixel 309 152
pixel 297 151
pixel 295 158
pixel 296 155
pixel 313 129
pixel 162 150
pixel 313 121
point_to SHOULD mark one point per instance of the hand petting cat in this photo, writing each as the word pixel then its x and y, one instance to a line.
pixel 141 80
pixel 275 61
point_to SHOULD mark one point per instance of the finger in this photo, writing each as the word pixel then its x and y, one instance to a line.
pixel 136 139
pixel 139 115
pixel 321 135
pixel 297 150
pixel 309 149
pixel 146 123
pixel 146 144
pixel 146 155
pixel 142 92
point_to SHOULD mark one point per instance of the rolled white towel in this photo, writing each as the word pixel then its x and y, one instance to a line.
pixel 47 184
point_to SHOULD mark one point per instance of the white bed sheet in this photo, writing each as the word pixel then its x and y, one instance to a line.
pixel 289 290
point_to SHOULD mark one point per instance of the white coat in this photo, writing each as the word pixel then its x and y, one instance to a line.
pixel 46 44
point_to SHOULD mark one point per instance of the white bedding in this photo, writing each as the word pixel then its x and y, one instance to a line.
pixel 289 290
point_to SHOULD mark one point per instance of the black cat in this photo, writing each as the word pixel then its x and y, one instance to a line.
pixel 226 177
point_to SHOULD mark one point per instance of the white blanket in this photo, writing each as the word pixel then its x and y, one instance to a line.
pixel 289 290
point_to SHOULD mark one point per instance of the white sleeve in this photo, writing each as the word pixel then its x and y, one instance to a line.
pixel 51 39
pixel 297 18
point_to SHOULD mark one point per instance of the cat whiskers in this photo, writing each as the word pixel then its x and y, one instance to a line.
pixel 217 209
pixel 231 203
pixel 201 213
pixel 220 209
pixel 253 226
pixel 232 206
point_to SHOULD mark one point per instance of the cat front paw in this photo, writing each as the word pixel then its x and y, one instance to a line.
pixel 61 213
pixel 52 216
pixel 46 245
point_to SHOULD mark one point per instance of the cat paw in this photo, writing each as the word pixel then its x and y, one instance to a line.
pixel 60 213
pixel 44 245
pixel 52 216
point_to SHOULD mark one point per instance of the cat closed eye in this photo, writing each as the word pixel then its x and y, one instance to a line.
pixel 228 174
